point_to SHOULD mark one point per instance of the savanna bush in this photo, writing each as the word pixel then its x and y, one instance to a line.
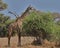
pixel 36 23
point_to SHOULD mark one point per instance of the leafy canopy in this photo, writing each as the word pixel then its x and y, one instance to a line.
pixel 36 20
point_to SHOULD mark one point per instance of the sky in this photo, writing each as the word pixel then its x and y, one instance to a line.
pixel 20 6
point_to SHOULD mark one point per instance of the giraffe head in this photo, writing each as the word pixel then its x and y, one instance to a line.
pixel 30 8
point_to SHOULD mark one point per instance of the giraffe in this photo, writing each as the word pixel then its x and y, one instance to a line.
pixel 17 25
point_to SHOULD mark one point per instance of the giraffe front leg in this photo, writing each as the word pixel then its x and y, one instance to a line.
pixel 9 37
pixel 19 39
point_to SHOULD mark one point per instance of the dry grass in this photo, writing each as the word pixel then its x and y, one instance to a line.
pixel 26 43
pixel 14 41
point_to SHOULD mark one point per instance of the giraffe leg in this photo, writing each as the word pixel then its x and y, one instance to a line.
pixel 9 37
pixel 9 41
pixel 19 39
pixel 19 35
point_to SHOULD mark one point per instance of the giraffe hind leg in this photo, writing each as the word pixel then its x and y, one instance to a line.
pixel 9 37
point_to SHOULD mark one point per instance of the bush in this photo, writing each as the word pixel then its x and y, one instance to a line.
pixel 41 25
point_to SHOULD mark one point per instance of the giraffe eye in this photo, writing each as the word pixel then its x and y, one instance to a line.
pixel 30 8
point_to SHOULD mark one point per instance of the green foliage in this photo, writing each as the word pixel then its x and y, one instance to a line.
pixel 56 33
pixel 3 5
pixel 37 21
pixel 4 22
pixel 58 23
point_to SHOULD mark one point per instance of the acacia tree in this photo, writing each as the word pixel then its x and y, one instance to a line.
pixel 40 25
pixel 3 5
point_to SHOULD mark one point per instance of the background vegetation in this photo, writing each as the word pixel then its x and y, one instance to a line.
pixel 4 20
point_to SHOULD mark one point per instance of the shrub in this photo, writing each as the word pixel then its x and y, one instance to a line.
pixel 36 23
pixel 41 25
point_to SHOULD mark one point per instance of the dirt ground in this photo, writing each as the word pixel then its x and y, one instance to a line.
pixel 14 41
pixel 26 43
